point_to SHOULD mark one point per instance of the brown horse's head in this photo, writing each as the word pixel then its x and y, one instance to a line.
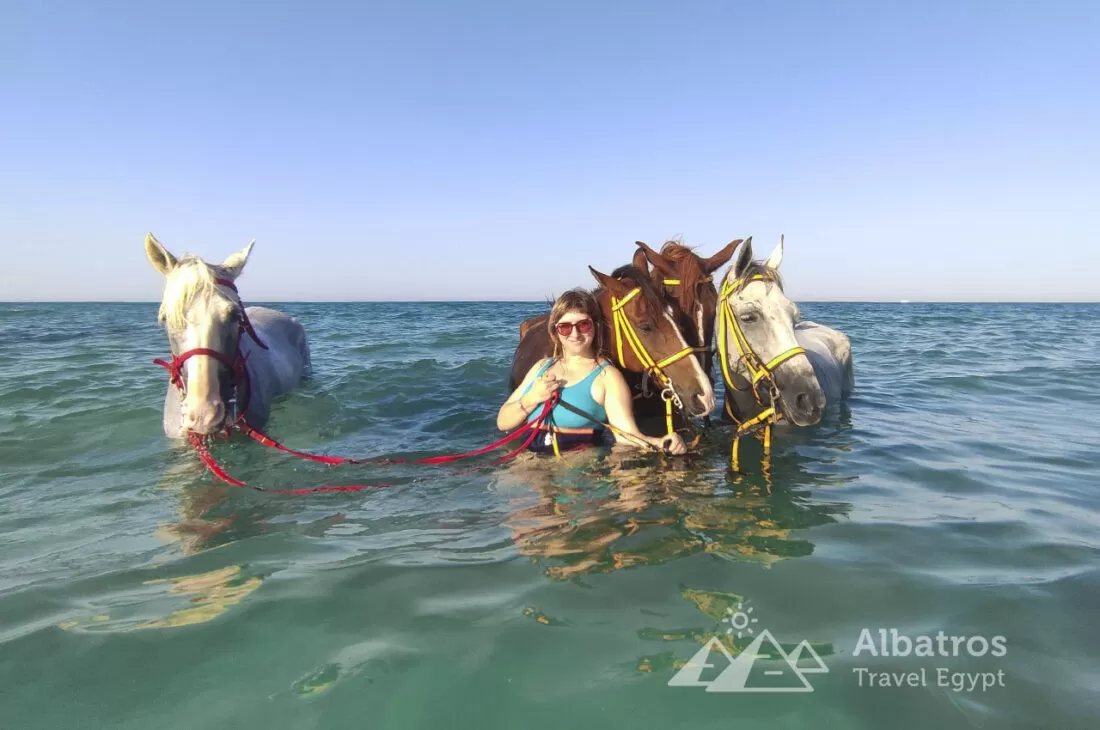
pixel 643 337
pixel 687 282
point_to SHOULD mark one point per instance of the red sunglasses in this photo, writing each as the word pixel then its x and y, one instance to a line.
pixel 565 329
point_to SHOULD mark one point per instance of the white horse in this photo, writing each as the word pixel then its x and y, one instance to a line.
pixel 228 361
pixel 770 352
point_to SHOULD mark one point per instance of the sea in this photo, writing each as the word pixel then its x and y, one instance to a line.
pixel 928 556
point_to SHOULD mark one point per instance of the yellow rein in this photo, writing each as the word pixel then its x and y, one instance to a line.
pixel 624 331
pixel 758 370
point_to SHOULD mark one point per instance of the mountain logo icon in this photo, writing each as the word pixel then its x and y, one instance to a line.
pixel 762 667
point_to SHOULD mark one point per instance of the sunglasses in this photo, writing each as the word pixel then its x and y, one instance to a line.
pixel 565 329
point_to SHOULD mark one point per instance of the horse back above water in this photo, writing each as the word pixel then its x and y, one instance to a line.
pixel 228 362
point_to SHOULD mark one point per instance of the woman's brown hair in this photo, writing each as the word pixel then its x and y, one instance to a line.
pixel 577 300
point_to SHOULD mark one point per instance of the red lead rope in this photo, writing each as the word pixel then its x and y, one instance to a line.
pixel 238 367
pixel 208 459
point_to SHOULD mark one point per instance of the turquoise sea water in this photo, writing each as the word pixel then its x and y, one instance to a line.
pixel 957 492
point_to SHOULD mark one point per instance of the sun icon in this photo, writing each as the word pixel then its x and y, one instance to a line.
pixel 740 621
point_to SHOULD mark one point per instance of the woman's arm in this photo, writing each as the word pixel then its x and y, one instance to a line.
pixel 620 414
pixel 521 403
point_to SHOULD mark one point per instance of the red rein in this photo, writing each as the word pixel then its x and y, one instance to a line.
pixel 208 459
pixel 237 367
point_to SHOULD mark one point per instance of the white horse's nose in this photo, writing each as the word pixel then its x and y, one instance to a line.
pixel 204 417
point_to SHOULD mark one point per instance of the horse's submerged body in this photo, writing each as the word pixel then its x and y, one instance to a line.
pixel 830 355
pixel 229 362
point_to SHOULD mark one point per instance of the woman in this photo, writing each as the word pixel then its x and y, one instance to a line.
pixel 587 382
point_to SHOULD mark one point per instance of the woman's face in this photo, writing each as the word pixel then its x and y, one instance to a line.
pixel 577 332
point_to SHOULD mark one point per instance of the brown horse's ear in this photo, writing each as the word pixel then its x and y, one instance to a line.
pixel 659 262
pixel 640 261
pixel 717 260
pixel 610 283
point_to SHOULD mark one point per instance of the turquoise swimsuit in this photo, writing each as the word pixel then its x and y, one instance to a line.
pixel 578 395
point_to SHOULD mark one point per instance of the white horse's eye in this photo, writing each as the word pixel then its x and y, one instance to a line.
pixel 748 317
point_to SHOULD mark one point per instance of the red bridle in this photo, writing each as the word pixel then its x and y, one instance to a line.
pixel 237 365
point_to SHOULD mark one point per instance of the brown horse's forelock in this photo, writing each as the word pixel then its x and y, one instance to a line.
pixel 650 299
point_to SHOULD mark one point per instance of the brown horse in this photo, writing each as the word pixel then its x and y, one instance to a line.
pixel 686 281
pixel 645 320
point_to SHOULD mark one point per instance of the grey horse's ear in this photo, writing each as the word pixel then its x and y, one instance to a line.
pixel 744 258
pixel 158 255
pixel 775 258
pixel 234 264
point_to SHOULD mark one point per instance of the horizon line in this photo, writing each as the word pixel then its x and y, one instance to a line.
pixel 544 301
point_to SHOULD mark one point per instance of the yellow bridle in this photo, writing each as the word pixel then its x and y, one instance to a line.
pixel 758 370
pixel 624 331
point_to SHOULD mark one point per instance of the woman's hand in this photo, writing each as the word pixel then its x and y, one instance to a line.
pixel 524 400
pixel 672 443
pixel 543 388
pixel 620 414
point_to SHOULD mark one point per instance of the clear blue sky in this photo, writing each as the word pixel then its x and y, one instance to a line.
pixel 492 150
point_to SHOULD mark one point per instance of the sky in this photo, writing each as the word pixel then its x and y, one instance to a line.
pixel 477 150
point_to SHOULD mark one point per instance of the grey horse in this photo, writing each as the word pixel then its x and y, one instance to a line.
pixel 810 364
pixel 228 360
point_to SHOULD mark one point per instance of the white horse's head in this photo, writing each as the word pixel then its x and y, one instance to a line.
pixel 759 339
pixel 203 316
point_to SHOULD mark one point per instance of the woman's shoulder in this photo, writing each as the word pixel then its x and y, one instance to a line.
pixel 607 368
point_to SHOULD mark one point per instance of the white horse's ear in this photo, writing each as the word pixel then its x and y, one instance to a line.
pixel 158 255
pixel 234 264
pixel 744 258
pixel 775 258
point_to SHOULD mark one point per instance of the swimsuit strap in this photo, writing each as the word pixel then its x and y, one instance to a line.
pixel 550 362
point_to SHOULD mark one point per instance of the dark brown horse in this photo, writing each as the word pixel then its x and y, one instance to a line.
pixel 651 319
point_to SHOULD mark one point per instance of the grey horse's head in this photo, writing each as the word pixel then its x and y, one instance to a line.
pixel 763 325
pixel 201 311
